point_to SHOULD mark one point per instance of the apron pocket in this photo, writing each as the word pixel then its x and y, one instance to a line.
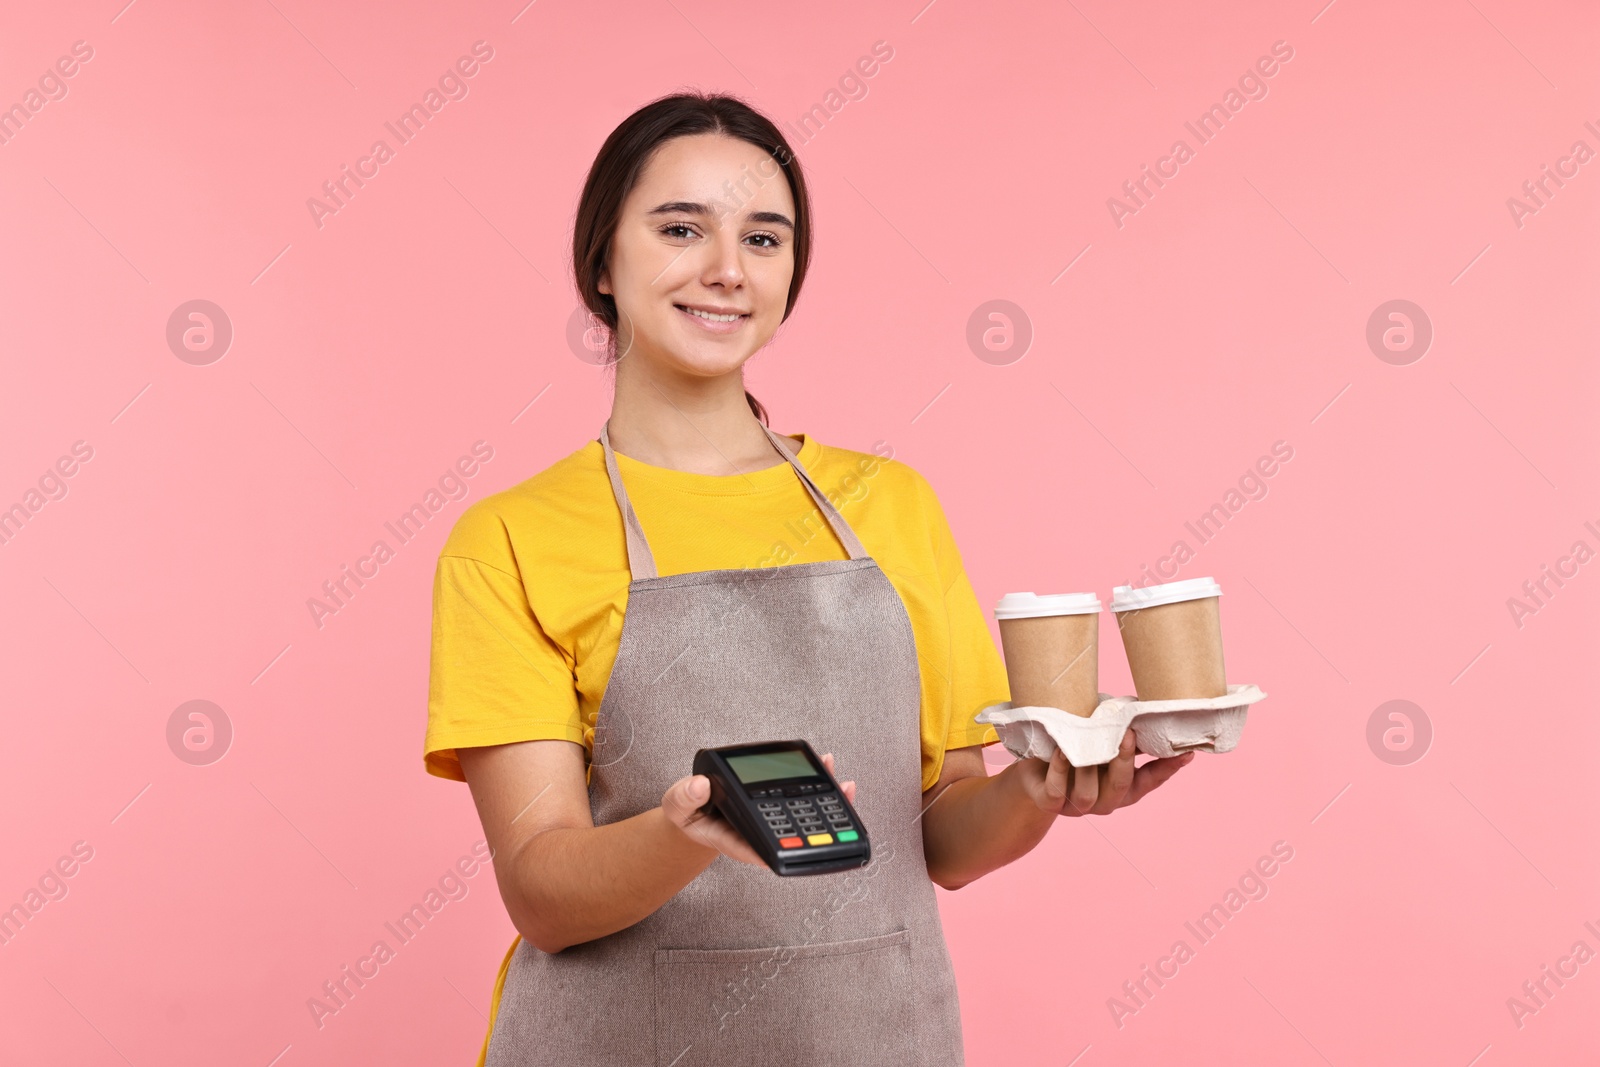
pixel 833 1003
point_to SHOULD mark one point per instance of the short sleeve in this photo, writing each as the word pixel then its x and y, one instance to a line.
pixel 494 675
pixel 977 672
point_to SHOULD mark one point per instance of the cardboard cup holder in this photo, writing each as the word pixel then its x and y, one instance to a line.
pixel 1160 727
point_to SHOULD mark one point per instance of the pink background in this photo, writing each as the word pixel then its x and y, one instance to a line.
pixel 1229 313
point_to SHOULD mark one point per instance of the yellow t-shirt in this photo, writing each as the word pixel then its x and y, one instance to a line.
pixel 532 584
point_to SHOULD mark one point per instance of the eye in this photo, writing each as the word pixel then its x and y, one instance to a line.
pixel 776 241
pixel 685 228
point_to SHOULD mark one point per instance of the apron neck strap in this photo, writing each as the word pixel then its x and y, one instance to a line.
pixel 841 529
pixel 642 563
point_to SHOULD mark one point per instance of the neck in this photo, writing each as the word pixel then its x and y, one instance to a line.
pixel 701 425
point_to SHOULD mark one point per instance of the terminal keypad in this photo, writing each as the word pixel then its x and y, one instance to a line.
pixel 806 815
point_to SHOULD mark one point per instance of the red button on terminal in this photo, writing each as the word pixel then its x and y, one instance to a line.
pixel 790 842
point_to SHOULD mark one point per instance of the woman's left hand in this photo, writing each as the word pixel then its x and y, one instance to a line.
pixel 1062 789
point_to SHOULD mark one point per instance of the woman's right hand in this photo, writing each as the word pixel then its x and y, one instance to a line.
pixel 681 804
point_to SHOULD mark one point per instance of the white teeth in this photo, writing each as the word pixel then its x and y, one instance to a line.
pixel 708 315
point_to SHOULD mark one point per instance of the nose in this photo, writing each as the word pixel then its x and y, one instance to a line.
pixel 724 265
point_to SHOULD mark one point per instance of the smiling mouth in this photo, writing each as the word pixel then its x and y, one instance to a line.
pixel 709 316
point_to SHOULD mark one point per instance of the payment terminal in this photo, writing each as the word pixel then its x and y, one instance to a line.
pixel 782 800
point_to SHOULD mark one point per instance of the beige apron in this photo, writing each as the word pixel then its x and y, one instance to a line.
pixel 743 967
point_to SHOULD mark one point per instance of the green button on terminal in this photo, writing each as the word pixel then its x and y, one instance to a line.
pixel 847 835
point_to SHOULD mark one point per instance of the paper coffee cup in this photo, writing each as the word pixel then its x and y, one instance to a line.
pixel 1173 637
pixel 1052 646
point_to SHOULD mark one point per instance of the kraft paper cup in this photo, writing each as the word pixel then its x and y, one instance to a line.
pixel 1052 646
pixel 1173 637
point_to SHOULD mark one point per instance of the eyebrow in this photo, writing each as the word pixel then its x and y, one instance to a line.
pixel 687 207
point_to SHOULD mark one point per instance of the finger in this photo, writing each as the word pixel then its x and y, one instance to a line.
pixel 1156 772
pixel 1057 779
pixel 847 788
pixel 1085 789
pixel 1116 778
pixel 684 797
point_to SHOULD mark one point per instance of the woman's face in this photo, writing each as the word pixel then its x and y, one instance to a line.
pixel 708 228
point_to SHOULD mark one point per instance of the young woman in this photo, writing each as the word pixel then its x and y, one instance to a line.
pixel 692 579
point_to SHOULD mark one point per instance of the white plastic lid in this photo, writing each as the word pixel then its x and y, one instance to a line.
pixel 1033 605
pixel 1127 598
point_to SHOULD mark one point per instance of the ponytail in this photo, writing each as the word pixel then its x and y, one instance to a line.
pixel 755 406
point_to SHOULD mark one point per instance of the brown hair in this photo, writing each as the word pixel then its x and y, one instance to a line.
pixel 622 158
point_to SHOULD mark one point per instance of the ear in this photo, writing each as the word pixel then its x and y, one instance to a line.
pixel 604 282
